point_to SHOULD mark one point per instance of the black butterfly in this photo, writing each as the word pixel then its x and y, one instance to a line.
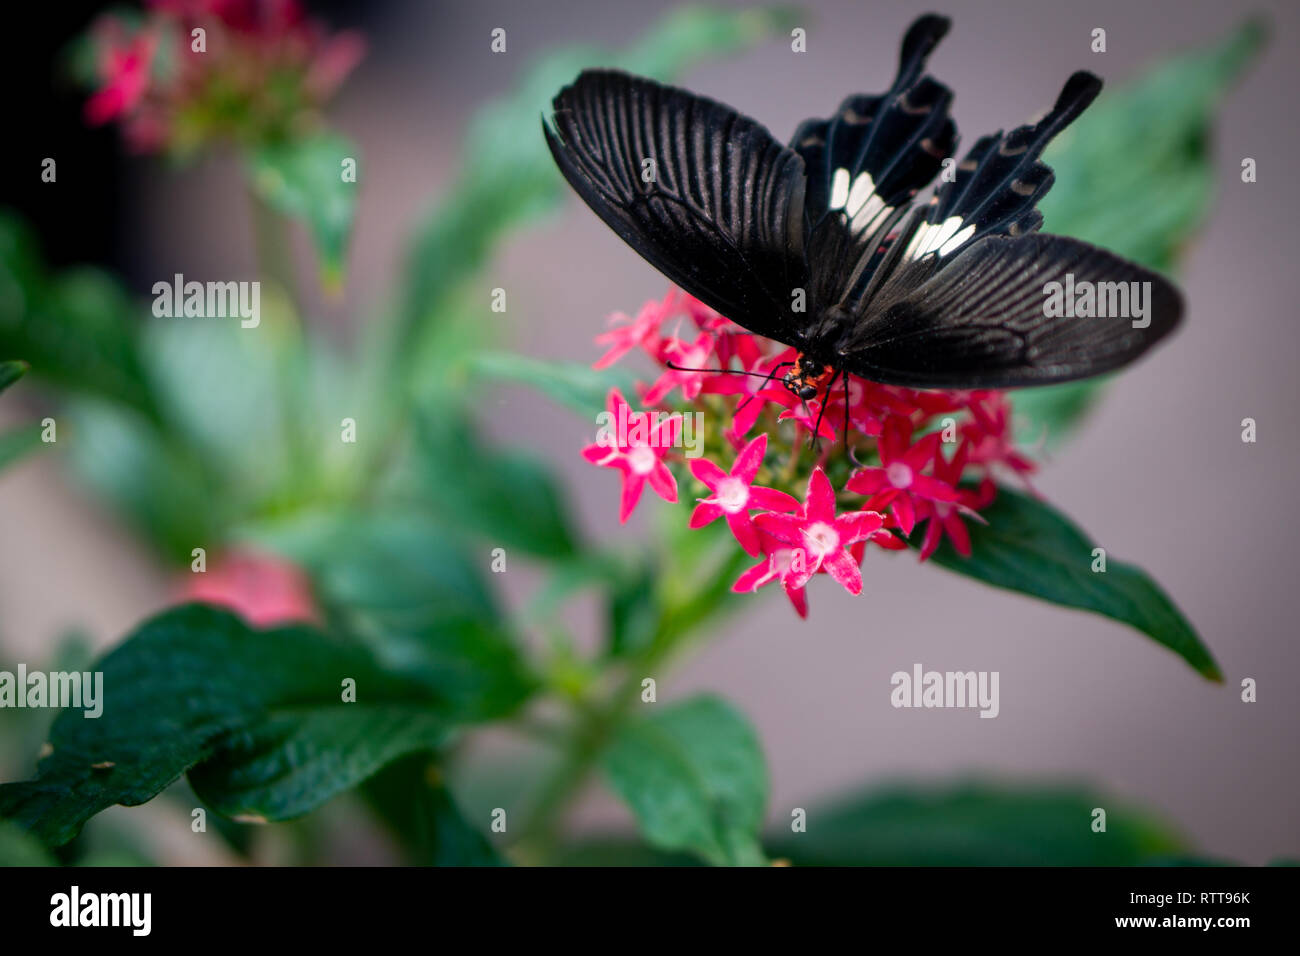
pixel 949 294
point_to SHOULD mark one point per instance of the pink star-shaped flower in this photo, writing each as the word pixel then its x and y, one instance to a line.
pixel 989 435
pixel 775 566
pixel 626 333
pixel 898 484
pixel 693 358
pixel 945 516
pixel 734 495
pixel 821 538
pixel 636 446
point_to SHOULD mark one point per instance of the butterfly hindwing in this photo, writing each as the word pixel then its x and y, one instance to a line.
pixel 705 194
pixel 878 151
pixel 998 183
pixel 984 320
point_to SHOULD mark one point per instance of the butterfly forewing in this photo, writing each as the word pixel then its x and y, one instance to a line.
pixel 705 194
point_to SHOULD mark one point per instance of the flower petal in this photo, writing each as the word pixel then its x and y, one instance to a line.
pixel 707 471
pixel 785 528
pixel 704 513
pixel 867 481
pixel 844 570
pixel 632 487
pixel 663 482
pixel 742 526
pixel 820 500
pixel 769 499
pixel 750 459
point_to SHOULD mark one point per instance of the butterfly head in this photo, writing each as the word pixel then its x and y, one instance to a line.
pixel 806 379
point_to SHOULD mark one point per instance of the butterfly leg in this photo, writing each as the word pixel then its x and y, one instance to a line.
pixel 817 426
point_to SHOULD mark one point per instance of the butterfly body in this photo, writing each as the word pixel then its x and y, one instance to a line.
pixel 820 245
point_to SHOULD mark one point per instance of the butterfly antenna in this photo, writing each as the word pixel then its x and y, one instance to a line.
pixel 767 378
pixel 723 371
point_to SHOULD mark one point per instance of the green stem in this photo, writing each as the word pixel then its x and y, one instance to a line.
pixel 275 267
pixel 598 723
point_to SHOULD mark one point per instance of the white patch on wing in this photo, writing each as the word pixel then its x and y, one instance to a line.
pixel 863 189
pixel 931 237
pixel 869 213
pixel 917 240
pixel 866 227
pixel 839 188
pixel 957 241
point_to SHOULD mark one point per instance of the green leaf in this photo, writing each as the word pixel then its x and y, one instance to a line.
pixel 510 499
pixel 11 372
pixel 155 481
pixel 508 176
pixel 256 717
pixel 413 800
pixel 76 328
pixel 577 386
pixel 1030 547
pixel 303 179
pixel 976 824
pixel 416 597
pixel 1135 175
pixel 694 776
pixel 613 850
pixel 20 848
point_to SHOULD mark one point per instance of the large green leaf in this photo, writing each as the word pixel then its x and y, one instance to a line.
pixel 1030 547
pixel 20 848
pixel 303 179
pixel 257 717
pixel 1135 174
pixel 508 176
pixel 694 775
pixel 976 824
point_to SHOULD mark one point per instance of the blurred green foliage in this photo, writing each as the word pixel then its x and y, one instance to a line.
pixel 1136 174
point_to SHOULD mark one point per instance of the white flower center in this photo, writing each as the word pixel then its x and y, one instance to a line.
pixel 732 495
pixel 822 538
pixel 899 475
pixel 642 459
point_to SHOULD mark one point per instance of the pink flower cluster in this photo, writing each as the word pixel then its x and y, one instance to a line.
pixel 804 508
pixel 262 67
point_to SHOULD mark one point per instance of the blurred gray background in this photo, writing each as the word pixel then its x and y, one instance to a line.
pixel 1159 476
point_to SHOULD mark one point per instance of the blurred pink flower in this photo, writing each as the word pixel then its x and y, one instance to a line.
pixel 122 65
pixel 264 70
pixel 263 589
pixel 636 446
